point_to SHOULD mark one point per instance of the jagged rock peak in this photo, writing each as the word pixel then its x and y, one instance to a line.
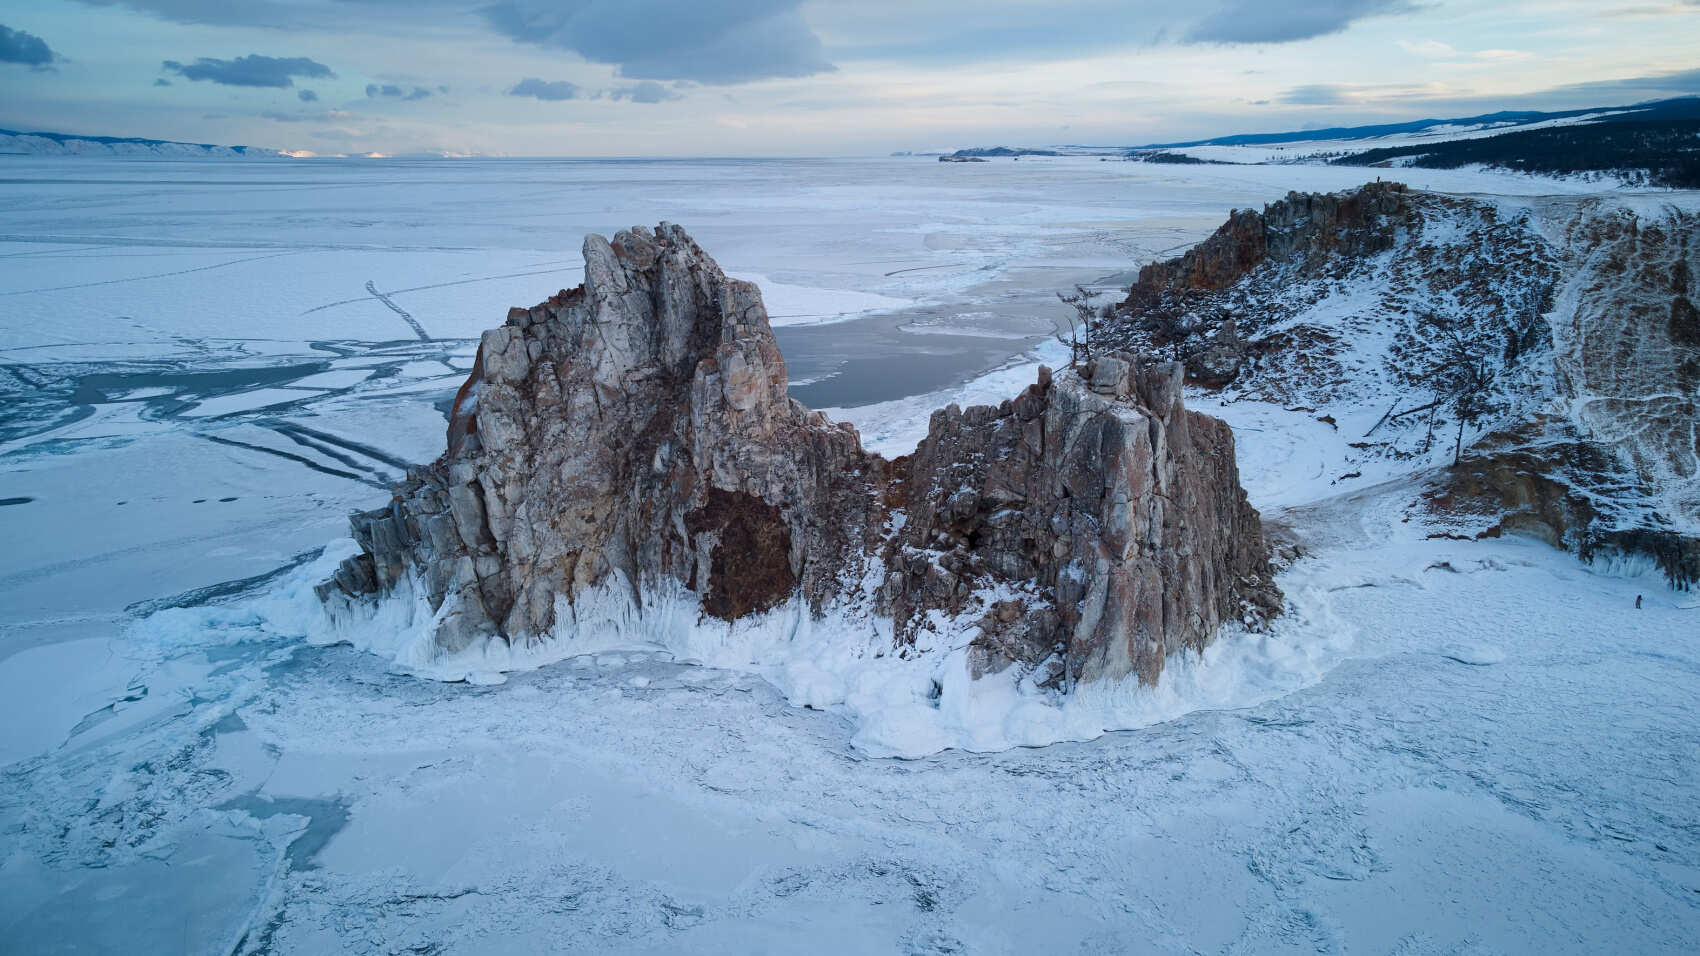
pixel 634 436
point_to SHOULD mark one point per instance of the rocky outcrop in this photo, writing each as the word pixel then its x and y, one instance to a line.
pixel 1122 508
pixel 636 426
pixel 635 433
pixel 1305 229
pixel 1572 494
pixel 1194 306
pixel 1539 359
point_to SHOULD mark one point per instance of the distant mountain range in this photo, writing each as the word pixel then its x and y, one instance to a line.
pixel 13 142
pixel 1687 107
pixel 1656 142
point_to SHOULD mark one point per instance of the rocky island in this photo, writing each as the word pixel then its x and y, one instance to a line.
pixel 633 437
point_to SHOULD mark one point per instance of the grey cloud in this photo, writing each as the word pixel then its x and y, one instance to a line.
pixel 1681 7
pixel 962 31
pixel 1600 93
pixel 734 41
pixel 251 70
pixel 162 81
pixel 709 41
pixel 648 91
pixel 1678 83
pixel 32 51
pixel 307 96
pixel 285 14
pixel 1317 94
pixel 550 90
pixel 320 116
pixel 375 90
pixel 1263 21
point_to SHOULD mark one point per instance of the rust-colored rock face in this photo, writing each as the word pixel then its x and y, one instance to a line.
pixel 636 432
pixel 750 570
pixel 1307 228
pixel 1194 304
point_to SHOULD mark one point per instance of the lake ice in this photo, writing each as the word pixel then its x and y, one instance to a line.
pixel 1450 747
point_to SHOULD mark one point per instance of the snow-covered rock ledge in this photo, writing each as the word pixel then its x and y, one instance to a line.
pixel 624 466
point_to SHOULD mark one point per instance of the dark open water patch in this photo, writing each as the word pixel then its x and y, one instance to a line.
pixel 876 359
pixel 325 817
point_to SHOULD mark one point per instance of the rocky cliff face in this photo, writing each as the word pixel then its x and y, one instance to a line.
pixel 1537 359
pixel 1613 461
pixel 1305 230
pixel 1122 508
pixel 637 426
pixel 1210 306
pixel 635 434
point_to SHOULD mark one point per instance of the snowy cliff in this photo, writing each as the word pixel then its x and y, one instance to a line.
pixel 1535 362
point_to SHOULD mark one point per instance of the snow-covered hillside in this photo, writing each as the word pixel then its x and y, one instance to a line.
pixel 13 142
pixel 1313 147
pixel 1551 345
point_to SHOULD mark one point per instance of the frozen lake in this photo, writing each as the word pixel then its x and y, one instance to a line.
pixel 1453 748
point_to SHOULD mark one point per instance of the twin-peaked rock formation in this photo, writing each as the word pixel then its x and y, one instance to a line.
pixel 635 434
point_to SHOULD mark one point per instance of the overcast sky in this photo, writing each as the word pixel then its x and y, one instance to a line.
pixel 783 77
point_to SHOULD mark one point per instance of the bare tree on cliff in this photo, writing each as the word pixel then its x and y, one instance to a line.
pixel 1471 389
pixel 1171 328
pixel 1081 328
pixel 1459 377
pixel 1525 322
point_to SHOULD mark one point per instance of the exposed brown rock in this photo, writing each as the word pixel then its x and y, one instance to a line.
pixel 636 432
pixel 750 570
pixel 1123 508
pixel 1308 227
pixel 1191 307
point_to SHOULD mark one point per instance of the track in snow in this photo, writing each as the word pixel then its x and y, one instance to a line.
pixel 418 329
